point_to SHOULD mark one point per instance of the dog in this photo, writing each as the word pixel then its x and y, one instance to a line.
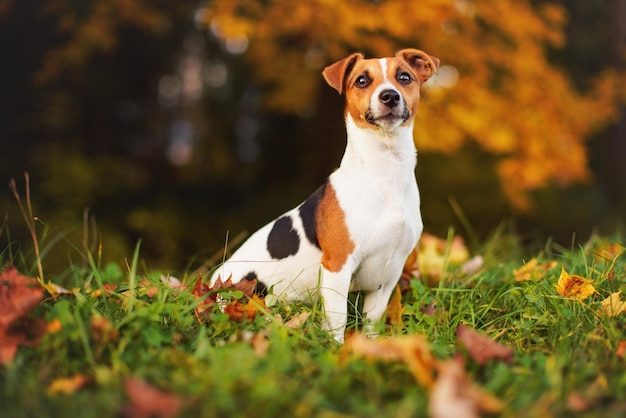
pixel 355 232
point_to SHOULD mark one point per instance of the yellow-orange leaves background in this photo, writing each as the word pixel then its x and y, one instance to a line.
pixel 497 87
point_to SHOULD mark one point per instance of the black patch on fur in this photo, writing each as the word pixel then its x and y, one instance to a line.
pixel 283 240
pixel 261 288
pixel 308 211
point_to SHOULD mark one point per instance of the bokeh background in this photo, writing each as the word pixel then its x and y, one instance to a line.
pixel 175 122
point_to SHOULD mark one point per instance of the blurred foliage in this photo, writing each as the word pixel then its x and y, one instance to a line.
pixel 508 98
pixel 175 122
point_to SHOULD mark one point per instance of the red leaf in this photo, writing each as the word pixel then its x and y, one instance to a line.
pixel 482 348
pixel 455 395
pixel 17 298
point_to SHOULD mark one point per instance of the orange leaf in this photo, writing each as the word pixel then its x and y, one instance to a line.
pixel 482 348
pixel 67 385
pixel 574 286
pixel 395 309
pixel 621 349
pixel 412 350
pixel 533 270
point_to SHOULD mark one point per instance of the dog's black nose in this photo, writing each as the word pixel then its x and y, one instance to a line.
pixel 389 97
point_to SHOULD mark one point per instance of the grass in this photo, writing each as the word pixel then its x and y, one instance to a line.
pixel 565 350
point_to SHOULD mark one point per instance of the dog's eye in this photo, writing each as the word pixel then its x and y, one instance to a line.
pixel 404 78
pixel 361 81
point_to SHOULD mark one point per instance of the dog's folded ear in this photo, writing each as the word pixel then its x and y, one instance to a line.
pixel 337 73
pixel 423 64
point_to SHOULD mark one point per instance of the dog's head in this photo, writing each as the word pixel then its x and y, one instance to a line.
pixel 382 93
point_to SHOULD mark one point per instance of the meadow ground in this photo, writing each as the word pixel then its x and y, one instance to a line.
pixel 546 339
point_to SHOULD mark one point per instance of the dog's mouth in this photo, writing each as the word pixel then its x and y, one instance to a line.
pixel 391 118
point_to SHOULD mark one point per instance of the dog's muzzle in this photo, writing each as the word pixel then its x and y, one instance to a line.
pixel 389 109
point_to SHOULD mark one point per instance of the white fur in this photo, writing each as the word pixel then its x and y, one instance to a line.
pixel 376 189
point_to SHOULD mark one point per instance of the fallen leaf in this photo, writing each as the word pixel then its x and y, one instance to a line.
pixel 67 385
pixel 102 330
pixel 473 265
pixel 172 282
pixel 412 350
pixel 395 309
pixel 433 254
pixel 454 395
pixel 574 286
pixel 613 306
pixel 254 306
pixel 18 296
pixel 147 401
pixel 621 349
pixel 532 270
pixel 235 309
pixel 298 320
pixel 482 348
pixel 576 402
pixel 609 251
pixel 260 343
pixel 54 326
pixel 148 288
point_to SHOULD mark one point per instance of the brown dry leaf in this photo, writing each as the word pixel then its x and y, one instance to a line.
pixel 412 350
pixel 235 309
pixel 395 309
pixel 574 286
pixel 454 395
pixel 67 385
pixel 147 401
pixel 532 270
pixel 298 320
pixel 482 348
pixel 18 296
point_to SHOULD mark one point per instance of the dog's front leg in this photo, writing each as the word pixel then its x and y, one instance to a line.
pixel 375 304
pixel 334 292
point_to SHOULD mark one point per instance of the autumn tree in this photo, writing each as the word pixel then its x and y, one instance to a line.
pixel 496 88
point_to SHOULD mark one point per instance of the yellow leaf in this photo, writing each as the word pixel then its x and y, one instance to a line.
pixel 613 306
pixel 533 270
pixel 608 252
pixel 395 309
pixel 434 253
pixel 574 286
pixel 67 385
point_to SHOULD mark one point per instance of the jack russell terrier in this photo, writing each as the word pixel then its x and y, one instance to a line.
pixel 356 231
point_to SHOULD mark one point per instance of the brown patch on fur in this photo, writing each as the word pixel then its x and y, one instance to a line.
pixel 332 232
